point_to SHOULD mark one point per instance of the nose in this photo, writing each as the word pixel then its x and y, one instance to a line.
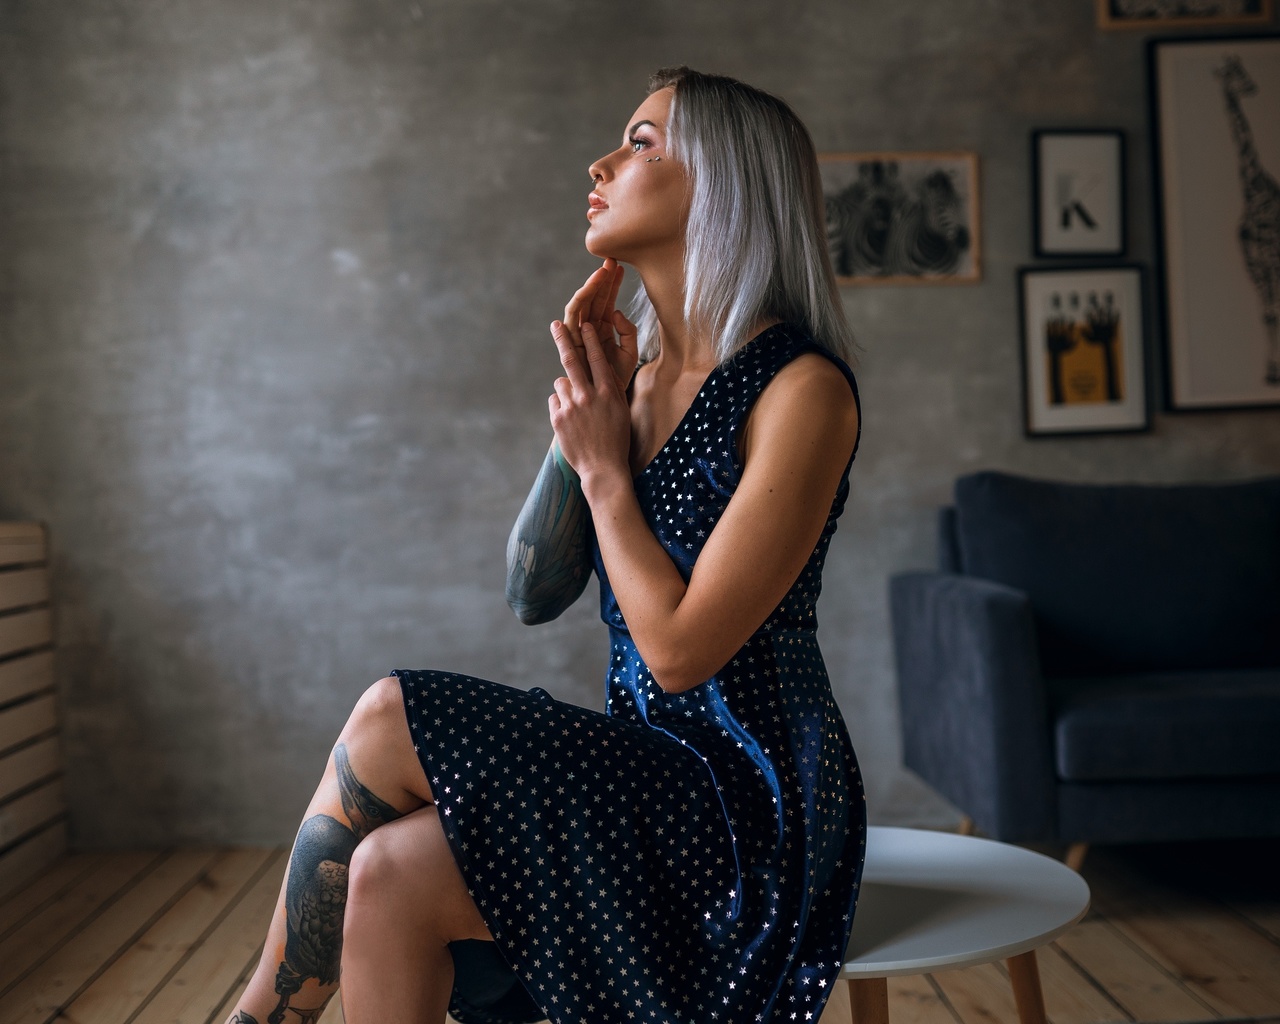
pixel 600 169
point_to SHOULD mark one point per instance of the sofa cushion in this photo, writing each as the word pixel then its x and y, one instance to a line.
pixel 1167 726
pixel 1132 577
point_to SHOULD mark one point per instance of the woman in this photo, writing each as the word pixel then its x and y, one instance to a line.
pixel 694 855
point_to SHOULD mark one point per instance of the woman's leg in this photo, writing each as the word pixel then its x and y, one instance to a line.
pixel 373 777
pixel 407 901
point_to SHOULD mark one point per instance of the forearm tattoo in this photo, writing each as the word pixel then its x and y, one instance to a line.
pixel 547 559
pixel 316 893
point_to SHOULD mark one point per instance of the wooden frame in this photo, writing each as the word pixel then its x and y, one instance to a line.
pixel 903 217
pixel 1215 113
pixel 1112 14
pixel 1083 346
pixel 1078 177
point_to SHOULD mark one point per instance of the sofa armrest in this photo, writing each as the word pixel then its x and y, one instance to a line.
pixel 975 719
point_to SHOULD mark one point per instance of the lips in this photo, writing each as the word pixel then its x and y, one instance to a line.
pixel 595 203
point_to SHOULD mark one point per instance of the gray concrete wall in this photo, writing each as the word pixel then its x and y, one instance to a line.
pixel 274 281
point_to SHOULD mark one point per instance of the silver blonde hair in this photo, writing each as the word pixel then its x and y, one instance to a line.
pixel 756 244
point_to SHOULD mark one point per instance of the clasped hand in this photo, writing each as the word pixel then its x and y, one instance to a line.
pixel 597 347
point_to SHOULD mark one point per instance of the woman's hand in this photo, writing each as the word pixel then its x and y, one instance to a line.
pixel 589 412
pixel 593 304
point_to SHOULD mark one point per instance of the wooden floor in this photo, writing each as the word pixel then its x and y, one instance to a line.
pixel 1176 933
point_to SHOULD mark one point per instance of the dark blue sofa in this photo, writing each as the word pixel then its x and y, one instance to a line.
pixel 1098 663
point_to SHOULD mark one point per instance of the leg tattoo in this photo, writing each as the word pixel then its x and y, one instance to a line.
pixel 243 1018
pixel 316 893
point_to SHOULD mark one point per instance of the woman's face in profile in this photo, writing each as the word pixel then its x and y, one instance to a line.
pixel 640 201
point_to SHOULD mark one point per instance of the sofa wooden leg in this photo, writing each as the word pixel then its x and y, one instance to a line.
pixel 869 1000
pixel 1024 975
pixel 1075 856
pixel 966 827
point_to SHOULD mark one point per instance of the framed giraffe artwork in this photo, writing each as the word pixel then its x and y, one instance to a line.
pixel 1079 192
pixel 1083 347
pixel 902 217
pixel 1164 14
pixel 1216 129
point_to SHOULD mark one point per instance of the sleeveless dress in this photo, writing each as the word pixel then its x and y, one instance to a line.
pixel 683 858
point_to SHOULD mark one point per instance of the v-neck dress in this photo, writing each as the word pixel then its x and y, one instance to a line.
pixel 682 858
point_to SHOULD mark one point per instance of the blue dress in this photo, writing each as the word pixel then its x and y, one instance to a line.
pixel 684 858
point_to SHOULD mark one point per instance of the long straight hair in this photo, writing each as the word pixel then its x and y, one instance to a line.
pixel 755 245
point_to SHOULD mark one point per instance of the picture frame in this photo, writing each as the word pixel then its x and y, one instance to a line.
pixel 898 217
pixel 1167 14
pixel 1078 176
pixel 1215 112
pixel 1083 350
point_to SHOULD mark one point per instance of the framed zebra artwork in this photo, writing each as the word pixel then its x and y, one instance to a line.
pixel 1083 342
pixel 1182 13
pixel 1216 130
pixel 902 217
pixel 1079 192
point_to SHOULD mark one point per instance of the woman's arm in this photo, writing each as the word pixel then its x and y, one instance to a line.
pixel 798 440
pixel 547 560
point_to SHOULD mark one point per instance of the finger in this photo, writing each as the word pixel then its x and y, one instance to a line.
pixel 602 299
pixel 582 298
pixel 618 272
pixel 628 336
pixel 601 371
pixel 570 358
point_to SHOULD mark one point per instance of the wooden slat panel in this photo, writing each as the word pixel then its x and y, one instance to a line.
pixel 217 972
pixel 129 982
pixel 25 631
pixel 23 721
pixel 50 927
pixel 21 543
pixel 25 675
pixel 22 587
pixel 38 807
pixel 42 994
pixel 26 901
pixel 21 864
pixel 28 765
pixel 1145 990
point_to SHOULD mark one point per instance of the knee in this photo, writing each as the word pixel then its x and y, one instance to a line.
pixel 374 877
pixel 381 704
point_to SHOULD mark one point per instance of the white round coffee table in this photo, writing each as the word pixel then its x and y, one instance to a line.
pixel 934 901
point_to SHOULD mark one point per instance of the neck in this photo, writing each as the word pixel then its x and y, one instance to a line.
pixel 681 348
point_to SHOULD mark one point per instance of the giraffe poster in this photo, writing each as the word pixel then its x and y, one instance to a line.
pixel 1217 111
pixel 1082 346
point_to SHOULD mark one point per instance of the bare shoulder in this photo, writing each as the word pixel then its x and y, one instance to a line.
pixel 809 400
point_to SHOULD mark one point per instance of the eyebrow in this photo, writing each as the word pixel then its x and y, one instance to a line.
pixel 639 124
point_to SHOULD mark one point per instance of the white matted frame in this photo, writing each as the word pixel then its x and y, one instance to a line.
pixel 1165 14
pixel 1216 114
pixel 1082 350
pixel 903 217
pixel 1078 175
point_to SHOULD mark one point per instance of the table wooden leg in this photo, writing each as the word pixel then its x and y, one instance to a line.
pixel 869 1000
pixel 1025 978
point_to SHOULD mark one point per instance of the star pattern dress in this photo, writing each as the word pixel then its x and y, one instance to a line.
pixel 683 858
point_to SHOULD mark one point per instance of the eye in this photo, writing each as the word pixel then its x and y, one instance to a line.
pixel 636 143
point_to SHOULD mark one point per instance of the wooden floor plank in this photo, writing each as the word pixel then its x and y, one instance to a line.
pixel 128 983
pixel 1223 960
pixel 57 920
pixel 980 995
pixel 913 999
pixel 30 858
pixel 193 993
pixel 1146 990
pixel 224 1008
pixel 49 885
pixel 1069 995
pixel 38 997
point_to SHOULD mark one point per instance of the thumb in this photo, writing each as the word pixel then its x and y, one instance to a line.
pixel 628 336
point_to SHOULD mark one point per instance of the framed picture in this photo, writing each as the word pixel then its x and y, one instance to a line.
pixel 902 218
pixel 1174 13
pixel 1079 192
pixel 1216 113
pixel 1082 350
